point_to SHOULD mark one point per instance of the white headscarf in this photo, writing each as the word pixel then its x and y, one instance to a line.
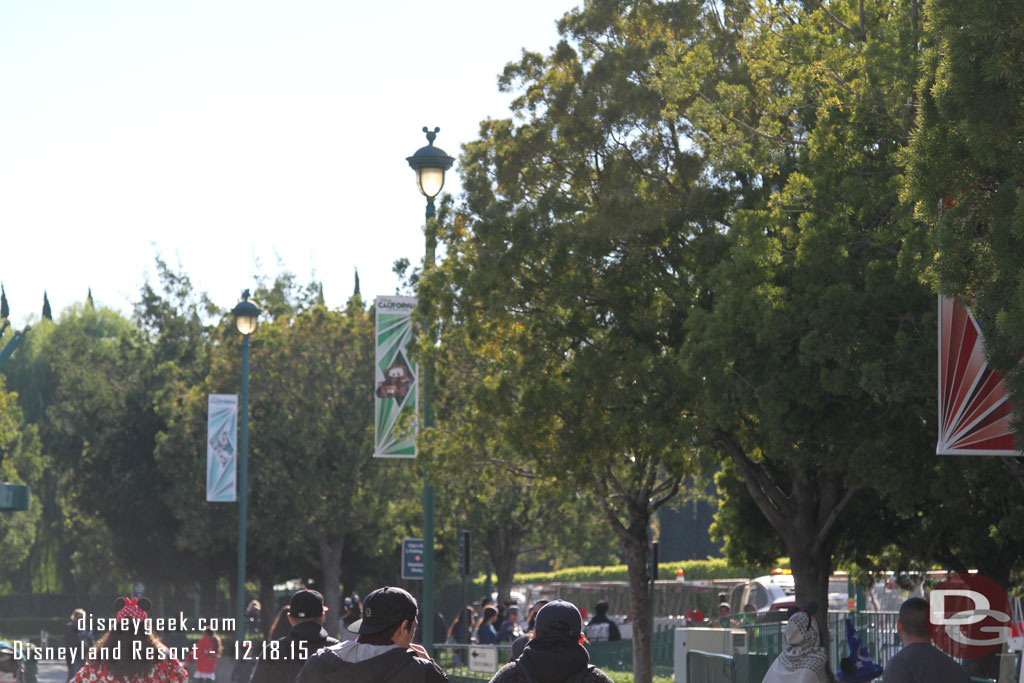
pixel 804 657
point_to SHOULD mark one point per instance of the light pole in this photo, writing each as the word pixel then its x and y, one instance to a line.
pixel 246 315
pixel 430 163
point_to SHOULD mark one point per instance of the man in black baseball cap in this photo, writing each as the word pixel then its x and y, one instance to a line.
pixel 383 650
pixel 555 653
pixel 282 659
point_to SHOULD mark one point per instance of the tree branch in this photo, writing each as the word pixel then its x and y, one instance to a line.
pixel 769 498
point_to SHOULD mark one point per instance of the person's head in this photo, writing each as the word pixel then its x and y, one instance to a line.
pixel 513 615
pixel 78 614
pixel 913 621
pixel 306 605
pixel 132 639
pixel 724 610
pixel 601 608
pixel 559 620
pixel 254 606
pixel 749 607
pixel 490 614
pixel 389 616
pixel 208 633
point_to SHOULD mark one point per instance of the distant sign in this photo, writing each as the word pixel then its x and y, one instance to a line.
pixel 483 659
pixel 412 558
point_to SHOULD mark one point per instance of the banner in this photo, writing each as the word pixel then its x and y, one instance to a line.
pixel 396 380
pixel 221 447
pixel 974 405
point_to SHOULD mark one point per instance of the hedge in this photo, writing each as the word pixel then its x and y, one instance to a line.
pixel 711 568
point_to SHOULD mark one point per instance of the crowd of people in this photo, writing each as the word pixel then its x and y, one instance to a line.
pixel 379 645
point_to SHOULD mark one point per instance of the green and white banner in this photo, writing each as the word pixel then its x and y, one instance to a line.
pixel 221 447
pixel 396 380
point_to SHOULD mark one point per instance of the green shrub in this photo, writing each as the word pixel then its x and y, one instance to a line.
pixel 695 570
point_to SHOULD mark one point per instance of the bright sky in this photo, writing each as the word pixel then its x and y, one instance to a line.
pixel 230 136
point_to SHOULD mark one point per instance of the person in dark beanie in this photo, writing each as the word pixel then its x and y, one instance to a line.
pixel 555 654
pixel 282 659
pixel 383 650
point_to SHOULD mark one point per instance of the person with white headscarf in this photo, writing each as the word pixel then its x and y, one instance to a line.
pixel 804 659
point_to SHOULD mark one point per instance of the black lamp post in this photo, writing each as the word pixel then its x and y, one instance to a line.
pixel 246 315
pixel 430 163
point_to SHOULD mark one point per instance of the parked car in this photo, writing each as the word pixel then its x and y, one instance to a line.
pixel 775 592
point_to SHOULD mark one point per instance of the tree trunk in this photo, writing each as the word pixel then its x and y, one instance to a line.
pixel 268 600
pixel 811 571
pixel 503 549
pixel 330 567
pixel 636 547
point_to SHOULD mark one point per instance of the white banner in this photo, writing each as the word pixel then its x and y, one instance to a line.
pixel 395 380
pixel 221 448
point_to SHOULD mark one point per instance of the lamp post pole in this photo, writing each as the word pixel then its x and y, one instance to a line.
pixel 430 163
pixel 246 314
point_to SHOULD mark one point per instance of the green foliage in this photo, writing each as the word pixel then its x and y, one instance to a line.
pixel 21 462
pixel 964 166
pixel 695 570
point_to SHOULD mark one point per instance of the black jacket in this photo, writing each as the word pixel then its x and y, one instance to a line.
pixel 613 629
pixel 283 659
pixel 551 660
pixel 352 662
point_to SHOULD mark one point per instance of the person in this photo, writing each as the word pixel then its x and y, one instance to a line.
pixel 601 629
pixel 803 659
pixel 486 635
pixel 555 654
pixel 519 644
pixel 919 660
pixel 205 654
pixel 115 658
pixel 284 657
pixel 509 630
pixel 383 650
pixel 254 619
pixel 352 610
pixel 77 641
pixel 458 632
pixel 281 626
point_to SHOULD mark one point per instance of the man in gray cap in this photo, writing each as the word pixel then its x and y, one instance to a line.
pixel 383 650
pixel 556 653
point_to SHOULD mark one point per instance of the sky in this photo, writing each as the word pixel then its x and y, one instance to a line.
pixel 234 138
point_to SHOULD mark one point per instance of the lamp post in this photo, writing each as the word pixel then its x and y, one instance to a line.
pixel 246 315
pixel 430 163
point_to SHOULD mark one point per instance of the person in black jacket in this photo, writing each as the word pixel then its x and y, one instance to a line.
pixel 384 650
pixel 601 628
pixel 282 659
pixel 555 654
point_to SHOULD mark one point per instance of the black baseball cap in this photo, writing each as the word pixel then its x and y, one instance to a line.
pixel 306 604
pixel 384 608
pixel 555 611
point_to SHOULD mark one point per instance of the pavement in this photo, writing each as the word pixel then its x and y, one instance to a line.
pixel 57 672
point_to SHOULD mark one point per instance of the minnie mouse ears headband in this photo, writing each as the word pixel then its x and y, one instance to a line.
pixel 133 608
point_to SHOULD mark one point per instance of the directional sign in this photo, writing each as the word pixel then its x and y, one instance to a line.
pixel 412 558
pixel 483 659
pixel 13 496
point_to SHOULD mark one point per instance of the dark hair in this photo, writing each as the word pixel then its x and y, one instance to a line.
pixel 281 626
pixel 126 666
pixel 914 617
pixel 386 636
pixel 489 612
pixel 601 608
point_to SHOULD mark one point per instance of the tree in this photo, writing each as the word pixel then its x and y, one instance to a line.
pixel 965 167
pixel 810 345
pixel 578 227
pixel 21 462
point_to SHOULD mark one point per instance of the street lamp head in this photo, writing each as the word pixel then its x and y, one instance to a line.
pixel 246 315
pixel 430 163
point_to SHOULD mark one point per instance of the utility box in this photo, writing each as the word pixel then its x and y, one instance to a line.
pixel 718 641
